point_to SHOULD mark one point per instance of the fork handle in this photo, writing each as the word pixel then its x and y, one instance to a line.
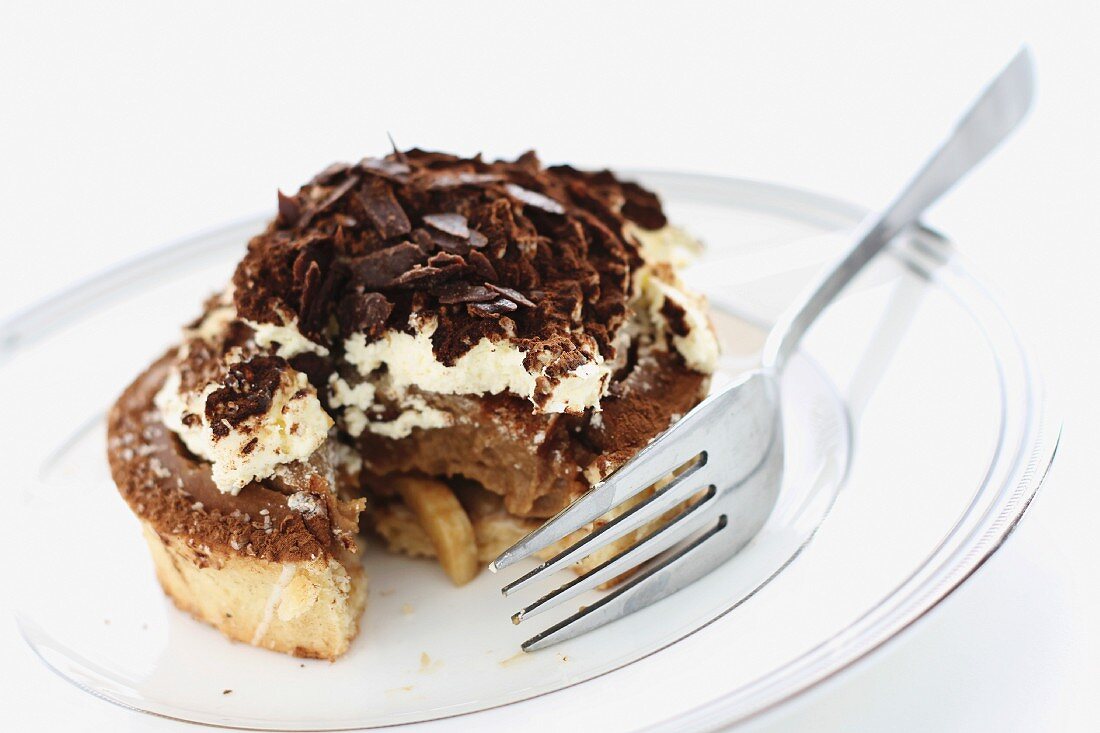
pixel 995 114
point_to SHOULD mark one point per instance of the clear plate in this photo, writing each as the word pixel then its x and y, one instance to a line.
pixel 917 434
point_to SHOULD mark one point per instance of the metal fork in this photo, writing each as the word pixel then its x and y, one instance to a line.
pixel 732 442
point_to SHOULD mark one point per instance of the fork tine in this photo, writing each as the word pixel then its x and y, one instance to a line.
pixel 667 577
pixel 672 533
pixel 634 518
pixel 656 460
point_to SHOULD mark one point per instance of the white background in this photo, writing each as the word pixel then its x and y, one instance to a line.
pixel 123 126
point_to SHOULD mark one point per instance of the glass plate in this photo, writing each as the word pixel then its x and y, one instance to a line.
pixel 917 435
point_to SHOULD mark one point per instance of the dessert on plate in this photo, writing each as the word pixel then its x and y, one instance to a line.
pixel 437 351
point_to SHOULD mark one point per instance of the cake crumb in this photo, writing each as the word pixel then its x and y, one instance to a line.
pixel 406 609
pixel 227 692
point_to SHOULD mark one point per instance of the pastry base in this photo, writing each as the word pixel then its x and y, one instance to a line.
pixel 306 608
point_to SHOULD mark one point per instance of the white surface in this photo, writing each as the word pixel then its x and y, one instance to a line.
pixel 127 125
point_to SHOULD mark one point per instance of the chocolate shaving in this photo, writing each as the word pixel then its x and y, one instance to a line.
pixel 330 174
pixel 363 313
pixel 443 259
pixel 380 269
pixel 247 390
pixel 477 239
pixel 449 243
pixel 310 314
pixel 391 170
pixel 464 293
pixel 397 153
pixel 335 195
pixel 531 198
pixel 290 213
pixel 313 273
pixel 511 294
pixel 383 210
pixel 423 240
pixel 329 201
pixel 452 224
pixel 418 274
pixel 482 266
pixel 441 266
pixel 491 310
pixel 454 180
pixel 316 368
pixel 311 252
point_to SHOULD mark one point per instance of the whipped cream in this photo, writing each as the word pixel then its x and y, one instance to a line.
pixel 357 401
pixel 669 244
pixel 213 325
pixel 293 427
pixel 665 251
pixel 416 414
pixel 286 337
pixel 490 367
pixel 698 346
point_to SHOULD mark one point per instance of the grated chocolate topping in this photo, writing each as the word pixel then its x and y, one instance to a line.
pixel 247 391
pixel 501 250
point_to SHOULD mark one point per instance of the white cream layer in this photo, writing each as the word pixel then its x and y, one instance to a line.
pixel 490 367
pixel 290 340
pixel 665 252
pixel 669 244
pixel 699 346
pixel 291 430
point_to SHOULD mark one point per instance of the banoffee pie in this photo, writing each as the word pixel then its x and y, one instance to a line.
pixel 433 351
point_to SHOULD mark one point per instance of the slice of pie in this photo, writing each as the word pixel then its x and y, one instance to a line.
pixel 442 351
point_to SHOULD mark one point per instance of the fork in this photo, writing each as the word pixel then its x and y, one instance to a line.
pixel 729 448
